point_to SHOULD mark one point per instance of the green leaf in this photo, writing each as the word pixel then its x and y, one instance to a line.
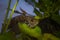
pixel 36 32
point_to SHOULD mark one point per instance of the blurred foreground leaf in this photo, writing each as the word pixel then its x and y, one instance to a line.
pixel 34 32
pixel 8 36
pixel 49 37
pixel 22 36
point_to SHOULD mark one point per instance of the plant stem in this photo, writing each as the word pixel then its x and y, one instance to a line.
pixel 5 19
pixel 10 17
